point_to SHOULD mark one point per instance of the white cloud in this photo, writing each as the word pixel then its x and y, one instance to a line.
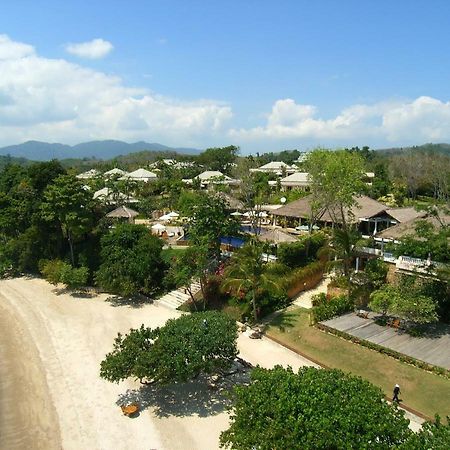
pixel 414 121
pixel 95 49
pixel 55 100
pixel 13 50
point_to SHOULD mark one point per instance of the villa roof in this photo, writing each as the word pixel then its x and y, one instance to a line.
pixel 277 236
pixel 405 214
pixel 401 230
pixel 296 178
pixel 115 171
pixel 366 207
pixel 233 202
pixel 211 174
pixel 140 174
pixel 88 174
pixel 122 212
pixel 275 165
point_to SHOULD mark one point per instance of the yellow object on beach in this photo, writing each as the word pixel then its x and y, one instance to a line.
pixel 129 409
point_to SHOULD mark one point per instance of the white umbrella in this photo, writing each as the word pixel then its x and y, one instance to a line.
pixel 173 214
pixel 158 227
pixel 165 217
pixel 237 213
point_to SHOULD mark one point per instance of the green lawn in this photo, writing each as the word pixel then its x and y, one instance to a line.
pixel 168 253
pixel 421 390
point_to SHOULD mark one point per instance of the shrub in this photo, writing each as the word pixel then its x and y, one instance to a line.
pixel 326 309
pixel 56 271
pixel 51 270
pixel 299 253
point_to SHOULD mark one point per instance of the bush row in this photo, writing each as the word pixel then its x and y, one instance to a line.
pixel 324 309
pixel 56 271
pixel 305 278
pixel 298 254
pixel 387 351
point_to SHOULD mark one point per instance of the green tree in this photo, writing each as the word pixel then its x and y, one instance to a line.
pixel 405 301
pixel 131 261
pixel 381 301
pixel 67 203
pixel 313 409
pixel 193 264
pixel 336 179
pixel 247 273
pixel 220 159
pixel 433 435
pixel 210 221
pixel 179 351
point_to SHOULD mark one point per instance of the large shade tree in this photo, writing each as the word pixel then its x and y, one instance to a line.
pixel 201 343
pixel 69 204
pixel 131 261
pixel 312 409
pixel 336 179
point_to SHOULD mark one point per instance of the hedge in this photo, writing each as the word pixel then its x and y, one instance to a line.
pixel 326 309
pixel 305 278
pixel 387 351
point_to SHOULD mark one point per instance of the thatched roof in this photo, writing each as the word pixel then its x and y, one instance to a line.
pixel 277 236
pixel 401 230
pixel 365 208
pixel 123 212
pixel 405 214
pixel 233 202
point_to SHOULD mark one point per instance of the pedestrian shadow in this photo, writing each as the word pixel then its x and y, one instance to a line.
pixel 179 400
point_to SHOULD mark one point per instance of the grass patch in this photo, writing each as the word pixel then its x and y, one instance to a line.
pixel 421 390
pixel 168 253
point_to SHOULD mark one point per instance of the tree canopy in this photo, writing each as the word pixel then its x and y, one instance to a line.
pixel 220 159
pixel 131 261
pixel 312 409
pixel 182 349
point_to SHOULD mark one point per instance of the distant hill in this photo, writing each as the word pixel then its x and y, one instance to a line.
pixel 436 148
pixel 42 151
pixel 5 160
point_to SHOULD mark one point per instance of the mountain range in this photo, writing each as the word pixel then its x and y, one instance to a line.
pixel 42 151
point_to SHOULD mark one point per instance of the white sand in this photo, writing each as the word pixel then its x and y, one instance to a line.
pixel 51 395
pixel 70 336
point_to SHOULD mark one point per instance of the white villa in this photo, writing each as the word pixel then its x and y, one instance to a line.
pixel 88 174
pixel 297 180
pixel 140 175
pixel 116 172
pixel 276 167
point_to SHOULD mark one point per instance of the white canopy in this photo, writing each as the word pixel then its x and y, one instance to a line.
pixel 158 226
pixel 173 214
pixel 236 213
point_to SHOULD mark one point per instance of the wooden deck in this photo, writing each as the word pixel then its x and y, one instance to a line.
pixel 434 348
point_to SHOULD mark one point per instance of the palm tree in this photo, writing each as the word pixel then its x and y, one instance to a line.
pixel 343 242
pixel 247 272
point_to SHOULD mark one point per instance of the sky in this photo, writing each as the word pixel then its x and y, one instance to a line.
pixel 262 75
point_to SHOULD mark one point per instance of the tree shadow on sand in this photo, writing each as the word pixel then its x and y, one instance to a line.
pixel 180 400
pixel 76 293
pixel 135 301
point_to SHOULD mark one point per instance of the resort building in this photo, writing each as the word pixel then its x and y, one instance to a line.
pixel 297 180
pixel 140 175
pixel 276 167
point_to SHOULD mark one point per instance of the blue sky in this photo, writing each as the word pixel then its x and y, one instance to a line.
pixel 264 75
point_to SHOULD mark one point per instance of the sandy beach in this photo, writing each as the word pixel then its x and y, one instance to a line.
pixel 51 395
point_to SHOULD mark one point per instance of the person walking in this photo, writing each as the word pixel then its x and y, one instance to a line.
pixel 396 392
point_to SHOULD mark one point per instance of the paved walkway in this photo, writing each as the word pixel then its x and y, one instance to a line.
pixel 304 299
pixel 433 348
